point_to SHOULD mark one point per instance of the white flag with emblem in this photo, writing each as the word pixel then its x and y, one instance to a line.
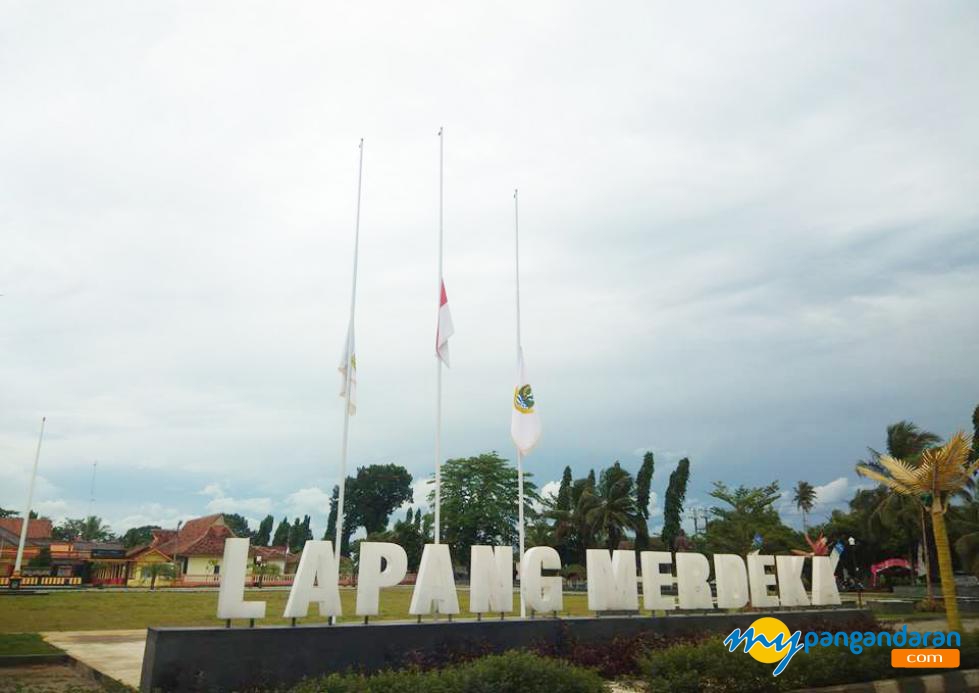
pixel 349 359
pixel 524 421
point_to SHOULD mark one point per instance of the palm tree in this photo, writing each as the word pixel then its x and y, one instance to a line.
pixel 612 510
pixel 940 474
pixel 905 441
pixel 805 499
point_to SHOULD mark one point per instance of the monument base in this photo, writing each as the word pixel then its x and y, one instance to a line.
pixel 225 659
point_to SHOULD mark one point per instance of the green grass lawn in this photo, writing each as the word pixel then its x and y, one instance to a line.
pixel 24 644
pixel 108 610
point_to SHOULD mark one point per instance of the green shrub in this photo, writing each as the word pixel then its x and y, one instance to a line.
pixel 510 672
pixel 709 666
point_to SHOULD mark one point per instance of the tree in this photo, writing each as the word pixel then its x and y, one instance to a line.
pixel 376 492
pixel 941 473
pixel 805 499
pixel 90 528
pixel 676 493
pixel 138 536
pixel 479 502
pixel 563 501
pixel 238 525
pixel 42 559
pixel 751 513
pixel 644 480
pixel 264 533
pixel 974 453
pixel 331 520
pixel 611 510
pixel 281 537
pixel 8 513
pixel 158 570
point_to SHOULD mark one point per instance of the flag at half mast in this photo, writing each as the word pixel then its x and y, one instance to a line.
pixel 524 421
pixel 349 359
pixel 444 330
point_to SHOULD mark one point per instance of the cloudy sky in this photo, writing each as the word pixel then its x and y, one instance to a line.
pixel 750 236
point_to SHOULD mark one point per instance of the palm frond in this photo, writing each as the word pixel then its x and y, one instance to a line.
pixel 883 479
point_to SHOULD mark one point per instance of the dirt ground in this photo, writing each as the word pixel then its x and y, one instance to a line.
pixel 46 678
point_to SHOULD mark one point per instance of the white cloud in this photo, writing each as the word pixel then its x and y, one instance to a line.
pixel 150 514
pixel 312 501
pixel 213 489
pixel 834 492
pixel 550 489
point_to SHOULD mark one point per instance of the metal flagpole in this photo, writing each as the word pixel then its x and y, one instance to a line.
pixel 30 501
pixel 91 491
pixel 351 360
pixel 520 519
pixel 438 376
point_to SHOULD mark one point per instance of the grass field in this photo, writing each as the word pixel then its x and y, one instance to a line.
pixel 107 610
pixel 24 644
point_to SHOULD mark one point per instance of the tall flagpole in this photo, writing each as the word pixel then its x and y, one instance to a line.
pixel 438 376
pixel 30 500
pixel 520 518
pixel 349 366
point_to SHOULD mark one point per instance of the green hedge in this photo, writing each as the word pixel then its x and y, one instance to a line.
pixel 709 666
pixel 516 672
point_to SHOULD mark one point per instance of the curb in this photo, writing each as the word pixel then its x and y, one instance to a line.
pixel 961 680
pixel 27 660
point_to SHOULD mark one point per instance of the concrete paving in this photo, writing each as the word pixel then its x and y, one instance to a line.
pixel 117 654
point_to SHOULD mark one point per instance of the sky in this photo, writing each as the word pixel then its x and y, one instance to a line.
pixel 748 236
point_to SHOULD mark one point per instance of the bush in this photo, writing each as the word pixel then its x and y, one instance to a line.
pixel 510 672
pixel 709 666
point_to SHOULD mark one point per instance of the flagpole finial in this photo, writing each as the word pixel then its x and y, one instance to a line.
pixel 361 145
pixel 440 130
pixel 514 193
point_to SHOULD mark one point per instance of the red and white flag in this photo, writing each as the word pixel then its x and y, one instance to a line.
pixel 444 329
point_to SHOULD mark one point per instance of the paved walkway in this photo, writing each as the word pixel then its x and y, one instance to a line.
pixel 116 653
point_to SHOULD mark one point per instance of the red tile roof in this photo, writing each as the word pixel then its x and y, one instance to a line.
pixel 211 544
pixel 202 536
pixel 38 528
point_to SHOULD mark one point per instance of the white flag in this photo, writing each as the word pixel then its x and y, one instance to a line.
pixel 349 358
pixel 524 421
pixel 444 330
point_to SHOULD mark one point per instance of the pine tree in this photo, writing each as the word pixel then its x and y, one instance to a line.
pixel 676 493
pixel 564 492
pixel 264 533
pixel 591 479
pixel 644 480
pixel 974 453
pixel 281 537
pixel 331 520
pixel 295 536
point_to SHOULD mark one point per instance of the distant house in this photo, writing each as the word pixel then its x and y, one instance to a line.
pixel 195 550
pixel 38 538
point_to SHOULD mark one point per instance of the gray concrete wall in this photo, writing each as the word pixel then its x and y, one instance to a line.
pixel 222 659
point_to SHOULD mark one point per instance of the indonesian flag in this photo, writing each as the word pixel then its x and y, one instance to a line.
pixel 444 329
pixel 349 359
pixel 524 421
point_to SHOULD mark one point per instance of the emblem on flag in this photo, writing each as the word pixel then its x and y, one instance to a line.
pixel 523 399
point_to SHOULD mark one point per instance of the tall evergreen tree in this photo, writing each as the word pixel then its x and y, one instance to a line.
pixel 644 480
pixel 974 453
pixel 295 535
pixel 331 520
pixel 564 491
pixel 281 537
pixel 591 479
pixel 264 534
pixel 676 493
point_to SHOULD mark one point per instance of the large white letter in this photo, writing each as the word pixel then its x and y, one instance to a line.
pixel 491 579
pixel 231 597
pixel 612 583
pixel 318 564
pixel 540 593
pixel 436 583
pixel 653 581
pixel 732 581
pixel 791 591
pixel 370 577
pixel 692 571
pixel 760 580
pixel 824 589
